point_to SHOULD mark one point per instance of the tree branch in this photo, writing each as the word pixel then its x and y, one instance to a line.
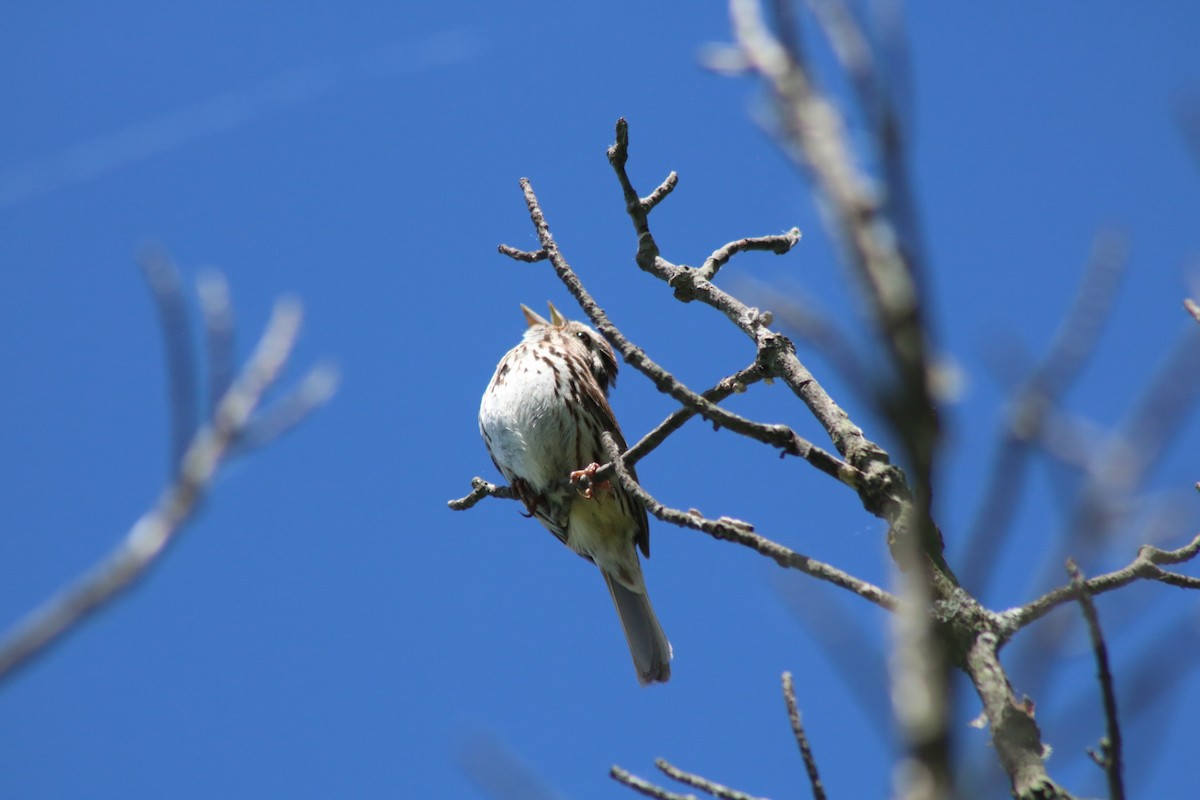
pixel 193 470
pixel 1015 734
pixel 733 530
pixel 703 784
pixel 1147 566
pixel 810 763
pixel 779 245
pixel 645 787
pixel 882 488
pixel 1109 757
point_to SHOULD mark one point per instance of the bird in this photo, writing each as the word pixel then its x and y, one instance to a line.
pixel 541 418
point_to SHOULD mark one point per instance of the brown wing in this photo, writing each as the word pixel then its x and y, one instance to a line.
pixel 596 407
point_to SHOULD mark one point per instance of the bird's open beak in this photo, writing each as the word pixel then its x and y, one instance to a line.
pixel 556 318
pixel 532 317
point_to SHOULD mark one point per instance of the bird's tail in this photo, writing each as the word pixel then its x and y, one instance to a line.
pixel 647 643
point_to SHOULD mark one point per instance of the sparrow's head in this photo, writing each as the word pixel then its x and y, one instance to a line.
pixel 577 338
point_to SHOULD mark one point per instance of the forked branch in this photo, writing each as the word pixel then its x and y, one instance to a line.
pixel 199 451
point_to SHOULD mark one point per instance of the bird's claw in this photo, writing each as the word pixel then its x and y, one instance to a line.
pixel 526 495
pixel 588 473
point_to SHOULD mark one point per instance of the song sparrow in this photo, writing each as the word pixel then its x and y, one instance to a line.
pixel 541 417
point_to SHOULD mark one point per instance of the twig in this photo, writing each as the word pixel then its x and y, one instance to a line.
pixel 213 291
pixel 1147 566
pixel 732 530
pixel 163 279
pixel 659 194
pixel 1109 757
pixel 810 763
pixel 479 490
pixel 778 245
pixel 645 787
pixel 197 465
pixel 734 384
pixel 703 784
pixel 528 256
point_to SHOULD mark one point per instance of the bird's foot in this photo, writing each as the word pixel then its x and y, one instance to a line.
pixel 588 473
pixel 527 496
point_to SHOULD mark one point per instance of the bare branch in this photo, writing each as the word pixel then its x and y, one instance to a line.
pixel 661 192
pixel 645 787
pixel 882 487
pixel 215 305
pixel 528 256
pixel 481 489
pixel 742 533
pixel 810 763
pixel 163 280
pixel 703 784
pixel 197 465
pixel 1145 566
pixel 778 245
pixel 1015 734
pixel 734 384
pixel 805 320
pixel 1109 757
pixel 311 392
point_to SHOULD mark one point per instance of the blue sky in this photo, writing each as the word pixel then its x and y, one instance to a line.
pixel 327 627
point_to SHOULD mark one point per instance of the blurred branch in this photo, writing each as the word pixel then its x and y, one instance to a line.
pixel 810 763
pixel 193 470
pixel 163 279
pixel 644 787
pixel 703 784
pixel 850 647
pixel 500 773
pixel 1109 757
pixel 857 215
pixel 213 292
pixel 1032 409
pixel 816 130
